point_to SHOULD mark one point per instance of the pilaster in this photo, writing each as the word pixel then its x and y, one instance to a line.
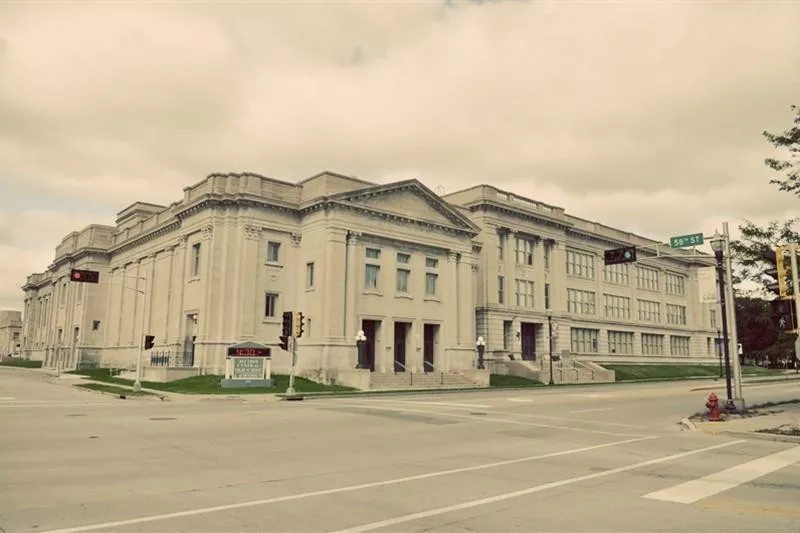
pixel 351 283
pixel 450 275
pixel 245 293
pixel 206 276
pixel 170 303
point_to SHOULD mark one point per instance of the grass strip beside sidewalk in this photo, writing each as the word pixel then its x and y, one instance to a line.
pixel 627 372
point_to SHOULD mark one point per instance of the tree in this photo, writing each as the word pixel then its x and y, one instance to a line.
pixel 760 337
pixel 790 167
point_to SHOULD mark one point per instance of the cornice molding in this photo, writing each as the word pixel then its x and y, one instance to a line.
pixel 497 207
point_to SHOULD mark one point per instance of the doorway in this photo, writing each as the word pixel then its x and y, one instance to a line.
pixel 400 340
pixel 528 338
pixel 189 340
pixel 431 336
pixel 370 329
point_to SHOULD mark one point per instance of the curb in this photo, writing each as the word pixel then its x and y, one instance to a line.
pixel 749 382
pixel 687 424
pixel 115 395
pixel 762 436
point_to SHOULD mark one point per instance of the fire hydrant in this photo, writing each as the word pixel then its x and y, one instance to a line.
pixel 713 407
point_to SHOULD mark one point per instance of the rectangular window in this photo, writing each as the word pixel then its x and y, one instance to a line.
pixel 580 264
pixel 676 314
pixel 583 340
pixel 273 251
pixel 309 275
pixel 402 280
pixel 652 344
pixel 617 306
pixel 647 278
pixel 271 305
pixel 675 283
pixel 373 253
pixel 678 345
pixel 501 246
pixel 524 293
pixel 548 247
pixel 195 259
pixel 95 325
pixel 617 274
pixel 580 302
pixel 371 273
pixel 431 280
pixel 501 289
pixel 547 296
pixel 508 334
pixel 649 311
pixel 403 258
pixel 620 342
pixel 431 262
pixel 524 251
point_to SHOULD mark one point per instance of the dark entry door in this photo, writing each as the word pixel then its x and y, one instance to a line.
pixel 528 334
pixel 400 331
pixel 429 346
pixel 369 328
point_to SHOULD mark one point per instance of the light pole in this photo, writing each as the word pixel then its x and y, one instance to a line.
pixel 137 385
pixel 718 244
pixel 360 340
pixel 550 343
pixel 719 353
pixel 480 345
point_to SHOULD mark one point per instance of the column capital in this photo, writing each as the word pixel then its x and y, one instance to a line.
pixel 252 233
pixel 207 232
pixel 183 240
pixel 452 256
pixel 297 238
pixel 352 237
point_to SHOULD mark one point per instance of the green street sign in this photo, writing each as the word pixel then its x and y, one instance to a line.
pixel 684 241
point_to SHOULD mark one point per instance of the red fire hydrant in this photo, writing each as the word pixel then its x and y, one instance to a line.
pixel 713 407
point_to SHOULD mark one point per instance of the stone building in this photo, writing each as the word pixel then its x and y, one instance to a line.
pixel 10 333
pixel 421 275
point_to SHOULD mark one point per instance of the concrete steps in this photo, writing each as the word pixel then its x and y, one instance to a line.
pixel 414 380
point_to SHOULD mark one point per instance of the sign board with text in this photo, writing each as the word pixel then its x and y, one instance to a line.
pixel 685 241
pixel 247 364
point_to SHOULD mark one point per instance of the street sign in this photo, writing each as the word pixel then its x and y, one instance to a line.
pixel 684 241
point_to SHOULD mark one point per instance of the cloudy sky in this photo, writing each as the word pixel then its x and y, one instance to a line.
pixel 646 115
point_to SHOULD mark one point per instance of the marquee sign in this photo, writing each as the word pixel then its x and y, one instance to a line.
pixel 249 349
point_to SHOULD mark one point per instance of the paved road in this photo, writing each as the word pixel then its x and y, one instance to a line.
pixel 595 458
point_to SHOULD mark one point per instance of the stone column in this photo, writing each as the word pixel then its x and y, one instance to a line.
pixel 177 284
pixel 170 295
pixel 450 279
pixel 123 286
pixel 151 290
pixel 206 280
pixel 351 297
pixel 218 300
pixel 247 283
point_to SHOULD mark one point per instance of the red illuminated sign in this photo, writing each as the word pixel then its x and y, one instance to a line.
pixel 234 351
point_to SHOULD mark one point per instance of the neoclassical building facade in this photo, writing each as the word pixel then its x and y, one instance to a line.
pixel 421 275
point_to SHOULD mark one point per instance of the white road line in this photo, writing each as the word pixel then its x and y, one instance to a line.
pixel 524 492
pixel 7 398
pixel 521 400
pixel 444 404
pixel 592 410
pixel 698 489
pixel 349 488
pixel 566 419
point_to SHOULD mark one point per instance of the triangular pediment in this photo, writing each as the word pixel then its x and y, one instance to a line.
pixel 408 199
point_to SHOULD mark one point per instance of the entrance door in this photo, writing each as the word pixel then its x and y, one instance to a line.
pixel 400 338
pixel 370 329
pixel 528 335
pixel 431 331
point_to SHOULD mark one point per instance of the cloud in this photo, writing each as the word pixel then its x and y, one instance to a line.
pixel 646 116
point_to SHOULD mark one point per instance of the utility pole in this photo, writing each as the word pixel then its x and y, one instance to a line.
pixel 137 385
pixel 795 295
pixel 733 340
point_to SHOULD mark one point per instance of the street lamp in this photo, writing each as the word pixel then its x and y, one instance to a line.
pixel 550 343
pixel 718 245
pixel 480 344
pixel 719 353
pixel 360 340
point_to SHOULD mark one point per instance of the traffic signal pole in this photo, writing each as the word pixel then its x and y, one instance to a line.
pixel 137 385
pixel 733 338
pixel 290 390
pixel 795 292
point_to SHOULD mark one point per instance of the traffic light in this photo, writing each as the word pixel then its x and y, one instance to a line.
pixel 626 254
pixel 84 276
pixel 149 341
pixel 286 326
pixel 284 342
pixel 298 324
pixel 780 264
pixel 783 314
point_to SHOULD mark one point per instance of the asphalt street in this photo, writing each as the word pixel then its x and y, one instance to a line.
pixel 589 458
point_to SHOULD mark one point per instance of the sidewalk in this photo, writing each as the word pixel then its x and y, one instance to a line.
pixel 752 424
pixel 747 380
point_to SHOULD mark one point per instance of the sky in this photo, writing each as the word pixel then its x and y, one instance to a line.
pixel 643 115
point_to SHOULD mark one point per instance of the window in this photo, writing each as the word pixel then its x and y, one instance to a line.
pixel 617 306
pixel 373 253
pixel 547 296
pixel 95 325
pixel 676 314
pixel 548 247
pixel 309 275
pixel 273 252
pixel 647 278
pixel 508 334
pixel 652 344
pixel 649 311
pixel 674 283
pixel 583 340
pixel 713 317
pixel 403 258
pixel 580 302
pixel 501 289
pixel 401 284
pixel 524 293
pixel 617 274
pixel 431 279
pixel 371 273
pixel 195 259
pixel 678 345
pixel 620 342
pixel 501 246
pixel 524 251
pixel 271 305
pixel 431 262
pixel 580 264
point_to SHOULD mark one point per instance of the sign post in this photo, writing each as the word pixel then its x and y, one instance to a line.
pixel 248 364
pixel 685 241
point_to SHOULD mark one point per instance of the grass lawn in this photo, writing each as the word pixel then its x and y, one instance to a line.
pixel 500 380
pixel 210 384
pixel 16 361
pixel 632 372
pixel 103 387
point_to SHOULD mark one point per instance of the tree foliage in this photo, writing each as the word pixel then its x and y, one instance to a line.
pixel 754 252
pixel 760 337
pixel 789 167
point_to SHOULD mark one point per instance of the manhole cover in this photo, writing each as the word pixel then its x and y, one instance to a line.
pixel 159 418
pixel 477 413
pixel 77 414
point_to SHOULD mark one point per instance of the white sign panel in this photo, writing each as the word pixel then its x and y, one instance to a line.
pixel 707 291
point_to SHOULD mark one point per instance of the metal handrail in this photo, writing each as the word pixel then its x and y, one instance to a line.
pixel 428 363
pixel 404 367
